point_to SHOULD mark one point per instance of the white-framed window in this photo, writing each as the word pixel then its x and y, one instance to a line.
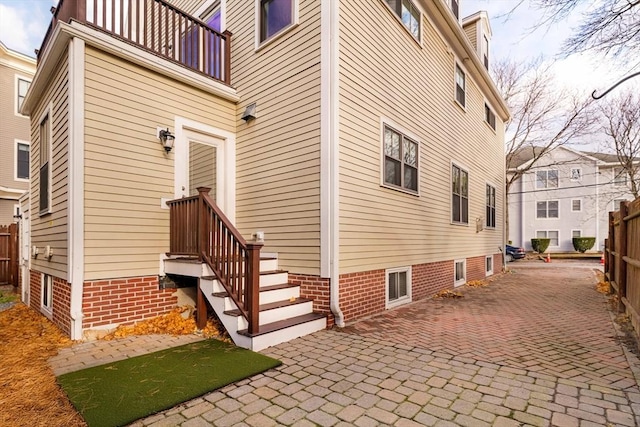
pixel 552 235
pixel 576 205
pixel 576 233
pixel 489 116
pixel 620 177
pixel 274 18
pixel 576 174
pixel 22 86
pixel 490 213
pixel 408 14
pixel 461 86
pixel 547 178
pixel 44 165
pixel 455 8
pixel 21 157
pixel 46 292
pixel 398 286
pixel 485 51
pixel 459 195
pixel 488 265
pixel 617 203
pixel 459 272
pixel 547 209
pixel 400 160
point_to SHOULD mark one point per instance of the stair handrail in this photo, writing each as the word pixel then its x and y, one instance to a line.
pixel 234 261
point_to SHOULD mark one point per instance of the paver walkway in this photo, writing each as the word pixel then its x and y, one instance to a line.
pixel 536 347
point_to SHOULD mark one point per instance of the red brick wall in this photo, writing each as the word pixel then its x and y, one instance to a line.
pixel 317 289
pixel 476 268
pixel 362 294
pixel 497 263
pixel 61 301
pixel 124 301
pixel 429 279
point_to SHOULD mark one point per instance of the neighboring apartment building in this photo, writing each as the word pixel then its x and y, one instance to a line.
pixel 16 73
pixel 365 139
pixel 566 194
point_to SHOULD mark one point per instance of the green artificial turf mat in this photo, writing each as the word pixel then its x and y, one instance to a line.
pixel 122 392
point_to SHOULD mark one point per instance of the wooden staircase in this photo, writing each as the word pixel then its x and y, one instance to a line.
pixel 250 295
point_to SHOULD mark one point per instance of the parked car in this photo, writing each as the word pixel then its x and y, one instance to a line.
pixel 513 252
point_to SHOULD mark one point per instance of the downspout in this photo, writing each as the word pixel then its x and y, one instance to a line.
pixel 330 110
pixel 75 214
pixel 598 204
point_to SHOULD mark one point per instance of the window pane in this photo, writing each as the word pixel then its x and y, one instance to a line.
pixel 410 150
pixel 276 15
pixel 44 187
pixel 411 178
pixel 459 271
pixel 553 209
pixel 402 284
pixel 576 233
pixel 553 236
pixel 22 168
pixel 393 286
pixel 455 208
pixel 465 210
pixel 392 171
pixel 455 175
pixel 489 264
pixel 541 234
pixel 552 178
pixel 541 179
pixel 391 143
pixel 541 210
pixel 576 205
pixel 464 183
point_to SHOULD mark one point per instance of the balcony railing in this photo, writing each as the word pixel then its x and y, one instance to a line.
pixel 155 26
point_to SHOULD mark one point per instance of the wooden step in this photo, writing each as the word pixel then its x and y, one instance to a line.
pixel 262 289
pixel 272 306
pixel 282 324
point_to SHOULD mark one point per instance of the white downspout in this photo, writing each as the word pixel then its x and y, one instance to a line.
pixel 598 205
pixel 330 178
pixel 76 185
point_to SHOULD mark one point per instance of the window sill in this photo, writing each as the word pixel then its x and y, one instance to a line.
pixel 462 107
pixel 486 227
pixel 260 45
pixel 401 190
pixel 490 127
pixel 398 302
pixel 44 213
pixel 460 224
pixel 47 312
pixel 459 283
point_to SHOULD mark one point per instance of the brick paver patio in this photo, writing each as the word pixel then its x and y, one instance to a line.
pixel 536 347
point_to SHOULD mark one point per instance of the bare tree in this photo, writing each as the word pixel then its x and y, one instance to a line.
pixel 610 27
pixel 543 116
pixel 621 123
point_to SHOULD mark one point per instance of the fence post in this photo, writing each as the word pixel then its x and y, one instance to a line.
pixel 227 57
pixel 621 253
pixel 612 248
pixel 605 256
pixel 14 250
pixel 201 233
pixel 253 287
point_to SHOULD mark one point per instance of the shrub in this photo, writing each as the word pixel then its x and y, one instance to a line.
pixel 540 245
pixel 583 244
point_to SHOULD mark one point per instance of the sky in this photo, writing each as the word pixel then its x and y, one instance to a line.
pixel 23 24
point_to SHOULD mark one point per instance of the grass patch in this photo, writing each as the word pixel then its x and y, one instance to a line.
pixel 122 392
pixel 8 297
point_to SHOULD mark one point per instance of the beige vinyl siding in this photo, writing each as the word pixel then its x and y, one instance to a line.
pixel 471 30
pixel 392 77
pixel 126 170
pixel 278 153
pixel 51 229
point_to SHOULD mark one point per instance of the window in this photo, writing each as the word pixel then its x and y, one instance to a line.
pixel 455 8
pixel 459 272
pixel 46 291
pixel 491 207
pixel 551 235
pixel 22 88
pixel 201 50
pixel 460 86
pixel 45 165
pixel 408 14
pixel 576 174
pixel 22 160
pixel 400 160
pixel 398 286
pixel 489 117
pixel 485 51
pixel 275 16
pixel 616 204
pixel 547 209
pixel 619 177
pixel 576 205
pixel 547 179
pixel 460 195
pixel 576 233
pixel 488 265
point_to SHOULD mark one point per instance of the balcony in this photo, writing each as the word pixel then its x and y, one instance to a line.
pixel 155 26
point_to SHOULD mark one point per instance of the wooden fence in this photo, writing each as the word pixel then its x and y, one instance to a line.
pixel 9 252
pixel 622 260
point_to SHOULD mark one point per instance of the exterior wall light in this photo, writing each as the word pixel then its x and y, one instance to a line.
pixel 166 138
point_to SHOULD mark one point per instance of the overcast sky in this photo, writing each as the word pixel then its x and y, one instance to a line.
pixel 23 24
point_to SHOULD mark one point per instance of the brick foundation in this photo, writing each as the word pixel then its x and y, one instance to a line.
pixel 61 300
pixel 124 301
pixel 363 293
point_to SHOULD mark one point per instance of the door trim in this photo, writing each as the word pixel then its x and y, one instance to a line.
pixel 225 141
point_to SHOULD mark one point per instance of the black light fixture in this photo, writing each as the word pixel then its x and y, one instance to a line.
pixel 166 138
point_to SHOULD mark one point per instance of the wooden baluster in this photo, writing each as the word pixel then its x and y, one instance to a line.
pixel 252 287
